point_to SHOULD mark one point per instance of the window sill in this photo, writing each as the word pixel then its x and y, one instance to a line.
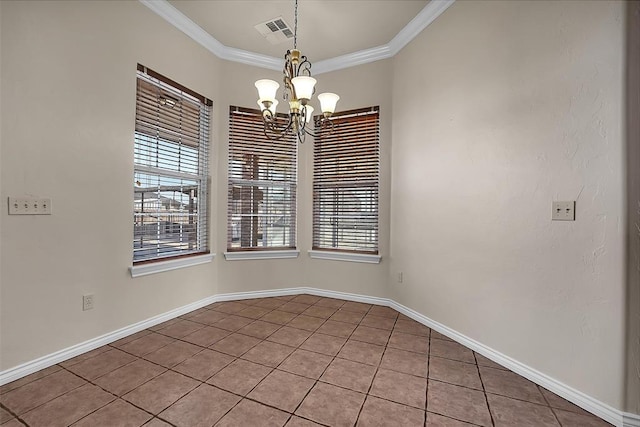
pixel 174 264
pixel 246 255
pixel 345 256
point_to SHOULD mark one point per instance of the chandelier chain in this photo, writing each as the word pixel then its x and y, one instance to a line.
pixel 295 26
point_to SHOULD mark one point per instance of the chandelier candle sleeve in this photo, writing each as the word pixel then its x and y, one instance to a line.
pixel 308 111
pixel 271 108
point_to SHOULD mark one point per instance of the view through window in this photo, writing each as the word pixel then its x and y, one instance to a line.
pixel 346 168
pixel 262 185
pixel 170 169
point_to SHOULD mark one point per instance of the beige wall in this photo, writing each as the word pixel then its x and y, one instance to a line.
pixel 633 207
pixel 499 109
pixel 69 78
pixel 363 86
pixel 487 130
pixel 68 102
pixel 238 276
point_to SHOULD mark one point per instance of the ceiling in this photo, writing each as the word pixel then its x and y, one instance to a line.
pixel 326 28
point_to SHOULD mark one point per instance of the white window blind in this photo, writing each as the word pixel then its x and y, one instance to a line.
pixel 346 168
pixel 262 185
pixel 170 169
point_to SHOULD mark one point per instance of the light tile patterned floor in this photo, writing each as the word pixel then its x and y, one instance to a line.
pixel 296 361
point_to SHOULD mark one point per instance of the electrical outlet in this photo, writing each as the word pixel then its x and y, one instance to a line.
pixel 400 277
pixel 563 211
pixel 87 302
pixel 29 206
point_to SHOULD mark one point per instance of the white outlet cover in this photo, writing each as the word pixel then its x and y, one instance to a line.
pixel 87 302
pixel 563 211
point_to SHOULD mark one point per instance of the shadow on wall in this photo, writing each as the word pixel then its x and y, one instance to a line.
pixel 633 208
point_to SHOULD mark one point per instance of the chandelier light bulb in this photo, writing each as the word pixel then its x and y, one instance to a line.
pixel 267 89
pixel 303 86
pixel 328 102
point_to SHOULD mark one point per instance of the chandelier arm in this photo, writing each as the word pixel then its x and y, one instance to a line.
pixel 274 134
pixel 270 126
pixel 304 67
pixel 310 133
pixel 328 123
pixel 322 123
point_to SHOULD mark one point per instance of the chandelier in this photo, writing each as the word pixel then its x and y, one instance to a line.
pixel 299 87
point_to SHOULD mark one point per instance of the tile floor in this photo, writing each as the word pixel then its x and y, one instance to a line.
pixel 296 361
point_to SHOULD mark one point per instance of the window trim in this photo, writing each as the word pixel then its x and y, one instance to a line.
pixel 261 254
pixel 167 264
pixel 339 255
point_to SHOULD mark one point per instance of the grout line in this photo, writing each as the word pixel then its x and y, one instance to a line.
pixel 364 314
pixel 292 413
pixel 524 401
pixel 28 382
pixel 50 400
pixel 213 306
pixel 317 380
pixel 15 415
pixel 549 405
pixel 325 369
pixel 426 397
pixel 484 391
pixel 377 369
pixel 113 394
pixel 453 418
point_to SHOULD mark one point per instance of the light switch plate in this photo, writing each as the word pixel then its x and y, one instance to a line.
pixel 564 211
pixel 29 206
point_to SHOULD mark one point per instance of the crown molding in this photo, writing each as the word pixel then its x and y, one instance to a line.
pixel 251 58
pixel 176 18
pixel 427 15
pixel 352 59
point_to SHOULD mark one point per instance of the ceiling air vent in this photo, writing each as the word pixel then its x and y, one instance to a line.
pixel 275 30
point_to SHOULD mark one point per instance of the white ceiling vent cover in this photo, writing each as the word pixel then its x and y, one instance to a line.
pixel 275 30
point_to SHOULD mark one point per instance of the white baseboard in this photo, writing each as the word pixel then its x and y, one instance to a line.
pixel 630 420
pixel 347 296
pixel 236 296
pixel 30 367
pixel 588 403
pixel 600 409
pixel 574 396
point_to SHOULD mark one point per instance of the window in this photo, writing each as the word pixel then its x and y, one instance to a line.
pixel 170 169
pixel 262 185
pixel 346 163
